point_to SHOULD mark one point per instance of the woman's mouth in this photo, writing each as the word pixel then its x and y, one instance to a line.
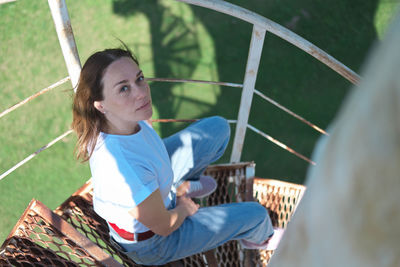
pixel 144 106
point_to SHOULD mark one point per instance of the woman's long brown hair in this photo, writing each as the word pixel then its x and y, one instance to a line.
pixel 87 121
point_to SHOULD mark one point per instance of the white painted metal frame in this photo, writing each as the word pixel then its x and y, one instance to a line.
pixel 278 30
pixel 34 154
pixel 62 22
pixel 6 1
pixel 260 26
pixel 253 61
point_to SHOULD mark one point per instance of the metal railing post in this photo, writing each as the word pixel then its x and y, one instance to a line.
pixel 62 22
pixel 253 60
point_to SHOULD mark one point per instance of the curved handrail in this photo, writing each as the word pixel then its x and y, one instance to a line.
pixel 278 30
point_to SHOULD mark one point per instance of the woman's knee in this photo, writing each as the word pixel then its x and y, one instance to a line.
pixel 215 126
pixel 257 211
pixel 212 136
pixel 221 134
pixel 218 127
pixel 222 125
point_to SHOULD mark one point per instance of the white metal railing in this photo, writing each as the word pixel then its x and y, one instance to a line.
pixel 268 137
pixel 6 1
pixel 237 85
pixel 34 154
pixel 41 92
pixel 260 26
pixel 62 23
pixel 250 77
pixel 280 31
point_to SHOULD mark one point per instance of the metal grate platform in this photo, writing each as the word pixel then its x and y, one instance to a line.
pixel 74 235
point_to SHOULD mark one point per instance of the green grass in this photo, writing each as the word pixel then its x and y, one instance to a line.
pixel 174 40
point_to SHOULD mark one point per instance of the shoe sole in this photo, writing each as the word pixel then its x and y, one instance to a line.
pixel 211 183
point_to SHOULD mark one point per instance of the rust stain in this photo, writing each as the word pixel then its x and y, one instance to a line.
pixel 67 30
pixel 337 67
pixel 61 4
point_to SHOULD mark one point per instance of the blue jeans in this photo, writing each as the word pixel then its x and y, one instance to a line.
pixel 191 151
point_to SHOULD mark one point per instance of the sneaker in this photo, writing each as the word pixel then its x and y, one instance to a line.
pixel 270 244
pixel 203 187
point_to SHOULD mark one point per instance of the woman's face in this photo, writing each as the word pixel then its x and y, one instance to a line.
pixel 127 98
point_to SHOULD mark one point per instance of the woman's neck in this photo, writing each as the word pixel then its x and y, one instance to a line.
pixel 121 130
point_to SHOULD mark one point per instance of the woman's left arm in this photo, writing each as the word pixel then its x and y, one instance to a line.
pixel 153 214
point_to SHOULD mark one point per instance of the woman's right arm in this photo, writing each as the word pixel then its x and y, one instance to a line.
pixel 152 213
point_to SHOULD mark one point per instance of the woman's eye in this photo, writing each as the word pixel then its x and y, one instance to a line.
pixel 140 79
pixel 124 89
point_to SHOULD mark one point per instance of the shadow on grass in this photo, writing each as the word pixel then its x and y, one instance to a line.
pixel 342 28
pixel 175 52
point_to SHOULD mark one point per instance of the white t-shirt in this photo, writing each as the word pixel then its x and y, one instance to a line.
pixel 126 169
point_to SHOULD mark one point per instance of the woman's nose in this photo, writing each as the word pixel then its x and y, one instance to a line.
pixel 142 91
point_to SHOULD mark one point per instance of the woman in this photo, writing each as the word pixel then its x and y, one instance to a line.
pixel 142 184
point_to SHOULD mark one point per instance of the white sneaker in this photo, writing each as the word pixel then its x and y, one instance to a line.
pixel 270 244
pixel 203 187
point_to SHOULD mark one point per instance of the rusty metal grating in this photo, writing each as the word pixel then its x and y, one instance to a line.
pixel 281 200
pixel 76 236
pixel 231 180
pixel 41 238
pixel 78 211
pixel 232 187
pixel 228 255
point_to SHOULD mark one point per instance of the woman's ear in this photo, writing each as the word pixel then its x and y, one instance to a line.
pixel 98 105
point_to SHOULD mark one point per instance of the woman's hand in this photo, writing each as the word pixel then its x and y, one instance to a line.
pixel 153 214
pixel 182 189
pixel 187 205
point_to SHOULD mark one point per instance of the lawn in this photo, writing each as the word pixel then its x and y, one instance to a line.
pixel 174 40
